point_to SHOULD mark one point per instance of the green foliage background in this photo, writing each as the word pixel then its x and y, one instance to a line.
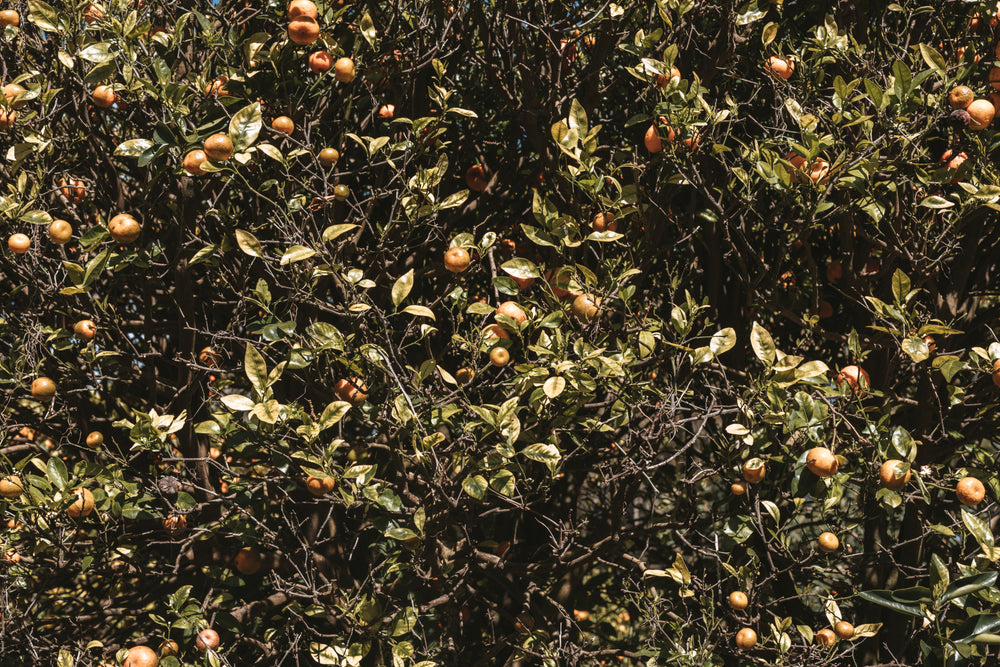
pixel 573 507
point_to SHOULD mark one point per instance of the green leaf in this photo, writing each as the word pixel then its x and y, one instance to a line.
pixel 133 147
pixel 368 29
pixel 936 202
pixel 256 368
pixel 542 452
pixel 723 341
pixel 96 53
pixel 43 15
pixel 762 344
pixel 900 286
pixel 475 486
pixel 967 585
pixel 979 528
pixel 56 472
pixel 333 231
pixel 401 288
pixel 65 658
pixel 400 533
pixel 520 268
pixel 420 311
pixel 36 217
pixel 884 598
pixel 811 369
pixel 245 126
pixel 934 60
pixel 554 386
pixel 268 411
pixel 237 402
pixel 249 244
pixel 577 118
pixel 333 413
pixel 296 253
pixel 95 266
pixel 916 348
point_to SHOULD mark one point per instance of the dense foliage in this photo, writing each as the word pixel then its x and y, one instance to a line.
pixel 296 418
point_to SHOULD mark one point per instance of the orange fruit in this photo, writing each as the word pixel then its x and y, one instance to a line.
pixel 499 356
pixel 11 92
pixel 7 118
pixel 209 357
pixel 738 488
pixel 855 377
pixel 169 647
pixel 495 331
pixel 94 13
pixel 124 228
pixel 352 391
pixel 994 79
pixel 953 160
pixel 217 86
pixel 844 630
pixel 828 542
pixel 75 191
pixel 982 112
pixel 970 491
pixel 283 124
pixel 43 388
pixel 781 67
pixel 104 96
pixel 887 473
pixel 652 140
pixel 996 372
pixel 513 311
pixel 95 439
pixel 465 375
pixel 319 486
pixel 320 61
pixel 303 30
pixel 83 505
pixel 746 639
pixel 141 656
pixel 825 637
pixel 821 462
pixel 207 639
pixel 341 192
pixel 297 8
pixel 11 487
pixel 585 307
pixel 175 525
pixel 931 343
pixel 218 147
pixel 193 160
pixel 9 17
pixel 961 97
pixel 85 329
pixel 19 243
pixel 343 70
pixel 387 111
pixel 329 156
pixel 604 222
pixel 754 470
pixel 248 561
pixel 663 81
pixel 738 600
pixel 457 259
pixel 477 178
pixel 60 232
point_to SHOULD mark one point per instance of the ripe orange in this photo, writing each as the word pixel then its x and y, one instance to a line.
pixel 7 118
pixel 513 311
pixel 175 525
pixel 477 178
pixel 754 470
pixel 209 357
pixel 320 61
pixel 248 561
pixel 844 630
pixel 19 243
pixel 652 140
pixel 994 77
pixel 663 81
pixel 303 30
pixel 75 191
pixel 825 637
pixel 931 344
pixel 738 488
pixel 887 473
pixel 781 67
pixel 828 542
pixel 11 487
pixel 93 13
pixel 821 462
pixel 217 86
pixel 9 17
pixel 970 491
pixel 193 160
pixel 856 378
pixel 319 486
pixel 83 505
pixel 297 8
pixel 85 329
pixel 585 307
pixel 982 112
pixel 43 388
pixel 329 156
pixel 457 259
pixel 495 331
pixel 353 391
pixel 343 70
pixel 746 639
pixel 207 639
pixel 124 228
pixel 953 160
pixel 604 222
pixel 95 439
pixel 499 356
pixel 60 232
pixel 465 375
pixel 169 647
pixel 283 124
pixel 104 96
pixel 387 111
pixel 141 656
pixel 341 192
pixel 738 600
pixel 11 92
pixel 961 97
pixel 218 147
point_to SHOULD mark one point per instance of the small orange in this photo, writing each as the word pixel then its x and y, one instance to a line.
pixel 11 91
pixel 95 439
pixel 994 78
pixel 738 488
pixel 887 473
pixel 513 311
pixel 781 67
pixel 604 222
pixel 124 228
pixel 652 140
pixel 140 656
pixel 585 307
pixel 19 243
pixel 982 112
pixel 746 639
pixel 207 639
pixel 75 191
pixel 961 97
pixel 353 391
pixel 499 356
pixel 297 8
pixel 477 178
pixel 970 491
pixel 821 462
pixel 825 637
pixel 85 329
pixel 60 232
pixel 738 600
pixel 175 525
pixel 104 96
pixel 303 30
pixel 43 388
pixel 193 160
pixel 283 124
pixel 9 17
pixel 387 111
pixel 343 70
pixel 319 486
pixel 83 505
pixel 464 375
pixel 856 378
pixel 320 61
pixel 828 542
pixel 754 470
pixel 329 156
pixel 248 561
pixel 457 259
pixel 218 147
pixel 11 487
pixel 217 86
pixel 7 118
pixel 844 630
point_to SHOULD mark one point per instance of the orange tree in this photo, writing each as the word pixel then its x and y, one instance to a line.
pixel 430 333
